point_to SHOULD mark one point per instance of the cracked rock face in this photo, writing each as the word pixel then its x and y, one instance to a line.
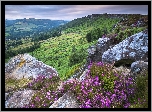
pixel 134 47
pixel 66 101
pixel 24 65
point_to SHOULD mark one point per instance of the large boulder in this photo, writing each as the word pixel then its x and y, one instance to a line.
pixel 19 99
pixel 68 100
pixel 134 47
pixel 25 66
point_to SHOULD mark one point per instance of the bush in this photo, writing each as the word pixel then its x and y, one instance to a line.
pixel 102 88
pixel 77 56
pixel 95 34
pixel 47 91
pixel 140 99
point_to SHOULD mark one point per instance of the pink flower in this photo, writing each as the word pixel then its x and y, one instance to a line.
pixel 102 74
pixel 50 76
pixel 48 93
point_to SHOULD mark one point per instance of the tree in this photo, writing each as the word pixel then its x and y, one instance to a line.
pixel 77 56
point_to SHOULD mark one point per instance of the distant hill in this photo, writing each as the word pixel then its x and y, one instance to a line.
pixel 21 28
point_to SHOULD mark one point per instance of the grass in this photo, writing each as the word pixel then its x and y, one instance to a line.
pixel 56 52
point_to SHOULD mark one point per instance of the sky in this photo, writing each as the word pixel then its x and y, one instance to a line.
pixel 68 12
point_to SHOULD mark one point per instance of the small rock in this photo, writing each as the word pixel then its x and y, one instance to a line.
pixel 66 101
pixel 138 66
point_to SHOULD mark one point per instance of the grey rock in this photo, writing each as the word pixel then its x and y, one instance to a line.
pixel 68 100
pixel 30 67
pixel 134 47
pixel 19 99
pixel 95 52
pixel 83 76
pixel 91 50
pixel 138 66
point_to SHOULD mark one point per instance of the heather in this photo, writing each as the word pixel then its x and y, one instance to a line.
pixel 46 94
pixel 102 88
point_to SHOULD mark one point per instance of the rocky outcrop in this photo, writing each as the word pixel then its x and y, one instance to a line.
pixel 19 99
pixel 138 67
pixel 68 100
pixel 24 65
pixel 134 47
pixel 95 52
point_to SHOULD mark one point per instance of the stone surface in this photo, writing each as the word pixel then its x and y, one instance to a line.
pixel 138 66
pixel 19 99
pixel 95 52
pixel 82 77
pixel 125 71
pixel 66 101
pixel 24 65
pixel 134 47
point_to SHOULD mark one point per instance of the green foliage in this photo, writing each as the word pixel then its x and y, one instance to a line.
pixel 117 29
pixel 140 99
pixel 127 32
pixel 95 34
pixel 109 77
pixel 77 56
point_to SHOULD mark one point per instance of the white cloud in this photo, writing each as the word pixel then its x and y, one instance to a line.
pixel 68 12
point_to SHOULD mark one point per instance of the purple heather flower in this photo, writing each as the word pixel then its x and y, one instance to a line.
pixel 88 102
pixel 90 90
pixel 116 74
pixel 127 105
pixel 32 105
pixel 48 93
pixel 84 92
pixel 113 97
pixel 44 104
pixel 108 102
pixel 96 83
pixel 50 76
pixel 55 99
pixel 97 78
pixel 108 93
pixel 30 84
pixel 99 63
pixel 87 106
pixel 37 98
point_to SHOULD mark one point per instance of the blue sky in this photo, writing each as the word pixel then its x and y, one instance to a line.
pixel 68 12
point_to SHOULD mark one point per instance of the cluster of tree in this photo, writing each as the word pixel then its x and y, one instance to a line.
pixel 128 32
pixel 77 56
pixel 42 25
pixel 14 43
pixel 96 34
pixel 10 53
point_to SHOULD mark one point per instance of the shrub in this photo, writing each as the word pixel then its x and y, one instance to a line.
pixel 140 99
pixel 102 88
pixel 47 91
pixel 77 56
